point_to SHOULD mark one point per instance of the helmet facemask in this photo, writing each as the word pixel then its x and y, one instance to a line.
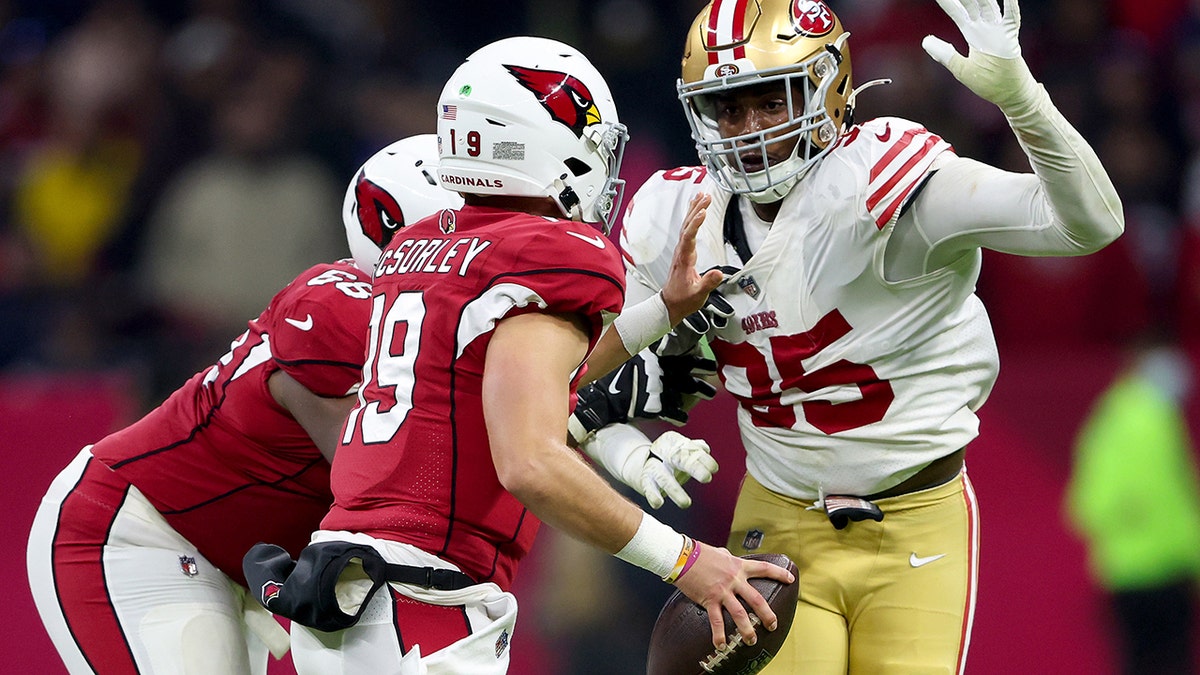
pixel 600 201
pixel 807 86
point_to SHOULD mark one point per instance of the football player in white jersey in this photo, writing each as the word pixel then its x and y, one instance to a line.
pixel 857 349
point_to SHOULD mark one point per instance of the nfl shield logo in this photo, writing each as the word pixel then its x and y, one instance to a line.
pixel 753 540
pixel 187 564
pixel 748 285
pixel 501 643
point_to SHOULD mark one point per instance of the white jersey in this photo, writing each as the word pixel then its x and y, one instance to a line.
pixel 847 383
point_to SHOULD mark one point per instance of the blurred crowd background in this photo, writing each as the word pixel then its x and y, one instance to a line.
pixel 166 167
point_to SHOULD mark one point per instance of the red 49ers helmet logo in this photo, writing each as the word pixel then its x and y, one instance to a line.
pixel 566 98
pixel 379 214
pixel 811 18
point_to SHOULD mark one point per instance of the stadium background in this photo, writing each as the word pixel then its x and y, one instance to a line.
pixel 130 130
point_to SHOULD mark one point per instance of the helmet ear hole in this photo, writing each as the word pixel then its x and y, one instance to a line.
pixel 577 166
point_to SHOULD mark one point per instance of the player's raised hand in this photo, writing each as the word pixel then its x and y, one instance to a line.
pixel 717 579
pixel 993 67
pixel 686 334
pixel 686 290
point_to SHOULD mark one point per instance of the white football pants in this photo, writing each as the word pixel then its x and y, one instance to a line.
pixel 407 629
pixel 120 591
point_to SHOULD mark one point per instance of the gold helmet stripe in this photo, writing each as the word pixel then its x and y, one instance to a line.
pixel 726 27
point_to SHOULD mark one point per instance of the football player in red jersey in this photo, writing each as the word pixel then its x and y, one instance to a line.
pixel 854 344
pixel 135 554
pixel 480 323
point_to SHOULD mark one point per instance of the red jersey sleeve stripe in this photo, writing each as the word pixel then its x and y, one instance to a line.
pixel 894 151
pixel 905 172
pixel 885 216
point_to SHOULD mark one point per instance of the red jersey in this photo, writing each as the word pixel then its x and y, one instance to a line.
pixel 415 464
pixel 220 459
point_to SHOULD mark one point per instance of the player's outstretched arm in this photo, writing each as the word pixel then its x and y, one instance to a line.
pixel 646 387
pixel 1074 202
pixel 684 292
pixel 525 398
pixel 533 463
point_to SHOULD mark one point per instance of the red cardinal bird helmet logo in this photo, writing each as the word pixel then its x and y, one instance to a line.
pixel 566 98
pixel 378 213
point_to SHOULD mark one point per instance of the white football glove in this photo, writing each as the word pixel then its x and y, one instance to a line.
pixel 652 469
pixel 993 68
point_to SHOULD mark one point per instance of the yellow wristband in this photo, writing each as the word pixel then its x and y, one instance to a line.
pixel 689 545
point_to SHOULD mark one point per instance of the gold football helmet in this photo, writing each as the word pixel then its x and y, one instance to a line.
pixel 738 43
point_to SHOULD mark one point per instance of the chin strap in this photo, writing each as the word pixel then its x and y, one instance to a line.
pixel 567 200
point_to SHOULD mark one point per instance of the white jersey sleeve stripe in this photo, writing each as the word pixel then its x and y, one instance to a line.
pixel 908 157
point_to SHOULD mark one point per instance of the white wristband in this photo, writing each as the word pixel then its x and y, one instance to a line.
pixel 577 432
pixel 655 547
pixel 640 325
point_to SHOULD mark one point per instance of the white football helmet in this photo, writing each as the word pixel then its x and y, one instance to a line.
pixel 737 43
pixel 397 186
pixel 531 117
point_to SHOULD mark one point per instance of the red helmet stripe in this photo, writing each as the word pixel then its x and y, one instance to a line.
pixel 726 25
pixel 739 29
pixel 710 35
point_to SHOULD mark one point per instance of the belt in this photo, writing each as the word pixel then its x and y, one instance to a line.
pixel 428 577
pixel 844 509
pixel 938 472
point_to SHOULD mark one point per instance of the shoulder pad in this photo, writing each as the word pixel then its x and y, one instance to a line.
pixel 895 156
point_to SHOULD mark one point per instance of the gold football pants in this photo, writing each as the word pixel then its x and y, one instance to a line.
pixel 890 597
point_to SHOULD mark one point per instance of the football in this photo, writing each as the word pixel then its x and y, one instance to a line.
pixel 681 642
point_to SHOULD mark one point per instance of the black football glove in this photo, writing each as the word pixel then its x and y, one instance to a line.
pixel 684 381
pixel 684 337
pixel 644 387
